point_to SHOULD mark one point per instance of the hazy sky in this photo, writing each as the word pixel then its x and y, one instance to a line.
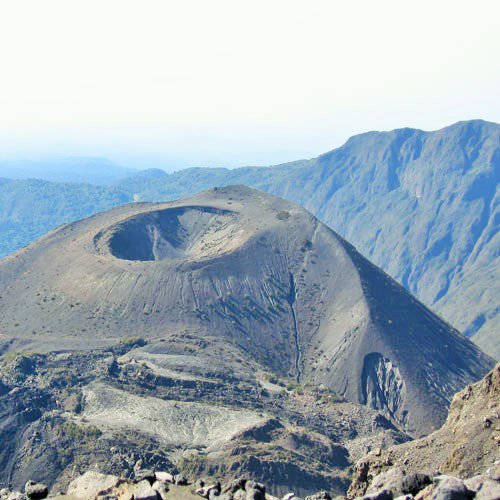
pixel 216 82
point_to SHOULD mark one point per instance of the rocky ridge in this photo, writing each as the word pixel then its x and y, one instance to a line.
pixel 300 437
pixel 460 461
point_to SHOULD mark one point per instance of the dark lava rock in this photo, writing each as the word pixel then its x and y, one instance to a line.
pixel 144 491
pixel 36 491
pixel 413 483
pixel 450 488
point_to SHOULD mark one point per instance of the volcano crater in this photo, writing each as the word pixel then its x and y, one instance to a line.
pixel 178 233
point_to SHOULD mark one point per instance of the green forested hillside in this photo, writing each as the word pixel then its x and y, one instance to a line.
pixel 30 208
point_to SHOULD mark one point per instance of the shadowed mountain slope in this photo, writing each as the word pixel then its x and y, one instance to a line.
pixel 424 206
pixel 259 274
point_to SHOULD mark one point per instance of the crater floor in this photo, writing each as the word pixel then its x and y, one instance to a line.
pixel 189 232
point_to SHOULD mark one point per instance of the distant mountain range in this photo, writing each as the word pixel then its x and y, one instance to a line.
pixel 88 170
pixel 424 206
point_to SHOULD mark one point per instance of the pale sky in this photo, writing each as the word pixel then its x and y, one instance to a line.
pixel 229 82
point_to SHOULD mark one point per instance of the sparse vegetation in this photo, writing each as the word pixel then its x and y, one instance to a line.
pixel 80 432
pixel 283 215
pixel 133 342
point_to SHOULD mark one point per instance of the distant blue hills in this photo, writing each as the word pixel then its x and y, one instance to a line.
pixel 85 170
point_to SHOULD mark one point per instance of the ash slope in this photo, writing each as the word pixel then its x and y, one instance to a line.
pixel 255 272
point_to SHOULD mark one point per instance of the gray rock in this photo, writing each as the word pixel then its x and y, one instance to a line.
pixel 144 491
pixel 36 491
pixel 164 477
pixel 322 495
pixel 215 495
pixel 426 493
pixel 91 484
pixel 391 480
pixel 255 491
pixel 449 488
pixel 413 483
pixel 398 482
pixel 379 495
pixel 234 486
pixel 474 483
pixel 209 491
pixel 180 480
pixel 161 488
pixel 489 490
pixel 144 475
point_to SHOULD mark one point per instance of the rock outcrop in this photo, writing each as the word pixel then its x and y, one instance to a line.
pixel 460 461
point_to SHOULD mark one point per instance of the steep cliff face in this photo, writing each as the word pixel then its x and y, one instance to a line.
pixel 383 385
pixel 255 272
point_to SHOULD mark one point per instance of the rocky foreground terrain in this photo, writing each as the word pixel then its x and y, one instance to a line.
pixel 460 461
pixel 227 335
pixel 63 414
